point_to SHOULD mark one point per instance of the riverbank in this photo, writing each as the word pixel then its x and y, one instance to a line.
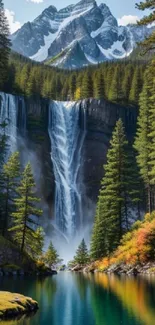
pixel 14 305
pixel 146 268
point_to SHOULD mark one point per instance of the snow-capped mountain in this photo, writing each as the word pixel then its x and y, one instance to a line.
pixel 77 35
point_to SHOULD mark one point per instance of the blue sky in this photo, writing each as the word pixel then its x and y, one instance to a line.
pixel 21 11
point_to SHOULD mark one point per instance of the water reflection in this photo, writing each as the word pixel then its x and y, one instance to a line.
pixel 136 295
pixel 77 299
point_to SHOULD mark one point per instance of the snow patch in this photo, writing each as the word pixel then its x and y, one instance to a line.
pixel 116 47
pixel 42 54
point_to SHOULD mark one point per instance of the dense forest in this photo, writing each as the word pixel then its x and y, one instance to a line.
pixel 114 239
pixel 128 185
pixel 119 82
pixel 20 211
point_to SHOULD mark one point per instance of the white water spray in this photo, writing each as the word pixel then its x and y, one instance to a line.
pixel 66 153
pixel 8 115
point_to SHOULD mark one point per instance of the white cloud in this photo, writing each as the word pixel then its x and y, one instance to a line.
pixel 125 20
pixel 14 25
pixel 36 1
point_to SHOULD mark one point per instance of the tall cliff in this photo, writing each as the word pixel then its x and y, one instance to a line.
pixel 28 128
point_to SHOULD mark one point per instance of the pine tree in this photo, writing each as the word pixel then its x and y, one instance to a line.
pixel 126 83
pixel 8 184
pixel 112 216
pixel 150 84
pixel 4 45
pixel 24 78
pixel 144 142
pixel 149 43
pixel 114 90
pixel 24 219
pixel 99 91
pixel 136 87
pixel 72 86
pixel 51 257
pixel 82 256
pixel 87 86
pixel 36 247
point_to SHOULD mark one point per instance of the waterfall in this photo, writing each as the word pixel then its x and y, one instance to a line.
pixel 13 113
pixel 8 114
pixel 66 153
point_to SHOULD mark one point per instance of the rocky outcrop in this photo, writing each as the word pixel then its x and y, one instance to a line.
pixel 78 35
pixel 14 305
pixel 137 269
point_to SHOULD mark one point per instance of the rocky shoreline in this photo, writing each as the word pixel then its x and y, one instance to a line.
pixel 14 305
pixel 139 269
pixel 20 272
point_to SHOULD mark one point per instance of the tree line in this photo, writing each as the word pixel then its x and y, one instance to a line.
pixel 119 82
pixel 129 177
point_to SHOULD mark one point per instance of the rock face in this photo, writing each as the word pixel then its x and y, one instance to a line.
pixel 101 119
pixel 33 141
pixel 77 35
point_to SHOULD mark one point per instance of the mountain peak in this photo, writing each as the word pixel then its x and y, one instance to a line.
pixel 83 30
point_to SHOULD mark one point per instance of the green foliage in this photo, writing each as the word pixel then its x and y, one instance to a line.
pixel 82 255
pixel 145 137
pixel 8 184
pixel 51 257
pixel 114 202
pixel 149 43
pixel 24 218
pixel 136 87
pixel 109 80
pixel 4 45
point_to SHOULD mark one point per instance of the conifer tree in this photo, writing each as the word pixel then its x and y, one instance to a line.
pixel 4 45
pixel 72 86
pixel 149 43
pixel 24 218
pixel 24 78
pixel 82 256
pixel 112 216
pixel 36 247
pixel 87 86
pixel 114 90
pixel 99 88
pixel 144 142
pixel 51 257
pixel 136 87
pixel 126 83
pixel 9 182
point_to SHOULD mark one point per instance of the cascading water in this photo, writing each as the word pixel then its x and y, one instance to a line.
pixel 8 115
pixel 66 150
pixel 13 113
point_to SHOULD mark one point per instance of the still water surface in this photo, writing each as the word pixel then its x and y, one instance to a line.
pixel 77 299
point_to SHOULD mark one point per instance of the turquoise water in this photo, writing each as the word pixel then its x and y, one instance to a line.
pixel 77 299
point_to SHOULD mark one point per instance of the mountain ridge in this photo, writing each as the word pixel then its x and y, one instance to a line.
pixel 84 29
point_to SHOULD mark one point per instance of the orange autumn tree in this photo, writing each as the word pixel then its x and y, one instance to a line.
pixel 137 246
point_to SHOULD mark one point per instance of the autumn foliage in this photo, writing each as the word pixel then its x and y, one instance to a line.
pixel 137 246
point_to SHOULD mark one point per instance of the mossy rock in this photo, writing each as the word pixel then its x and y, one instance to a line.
pixel 13 305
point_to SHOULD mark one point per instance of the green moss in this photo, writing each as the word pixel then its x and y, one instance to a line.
pixel 12 304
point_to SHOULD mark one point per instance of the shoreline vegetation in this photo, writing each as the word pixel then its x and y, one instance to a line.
pixel 14 305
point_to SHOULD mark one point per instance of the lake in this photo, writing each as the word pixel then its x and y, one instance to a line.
pixel 85 299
